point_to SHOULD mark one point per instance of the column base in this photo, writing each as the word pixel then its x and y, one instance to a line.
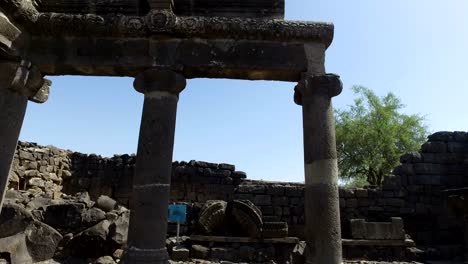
pixel 145 256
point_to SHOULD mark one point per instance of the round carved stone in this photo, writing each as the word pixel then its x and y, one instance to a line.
pixel 212 216
pixel 160 21
pixel 248 216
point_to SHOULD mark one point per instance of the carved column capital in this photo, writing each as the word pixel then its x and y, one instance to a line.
pixel 310 85
pixel 159 81
pixel 25 79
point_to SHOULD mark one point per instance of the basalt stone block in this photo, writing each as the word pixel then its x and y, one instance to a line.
pixel 281 201
pixel 199 252
pixel 413 157
pixel 239 174
pixel 361 193
pixel 428 168
pixel 434 147
pixel 106 203
pixel 64 215
pixel 219 253
pixel 456 147
pixel 360 229
pixel 443 158
pixel 228 167
pixel 180 253
pixel 346 193
pixel 262 200
pixel 42 241
pixel 13 219
pixel 294 191
pixel 275 190
pixel 351 203
pixel 441 136
pixel 257 189
pixel 93 216
pixel 93 242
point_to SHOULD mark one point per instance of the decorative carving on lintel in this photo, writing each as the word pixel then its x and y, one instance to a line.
pixel 25 79
pixel 164 22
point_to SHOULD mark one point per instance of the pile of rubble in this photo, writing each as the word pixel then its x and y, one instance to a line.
pixel 73 229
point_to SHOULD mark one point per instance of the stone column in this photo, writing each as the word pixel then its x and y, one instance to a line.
pixel 151 184
pixel 322 209
pixel 18 83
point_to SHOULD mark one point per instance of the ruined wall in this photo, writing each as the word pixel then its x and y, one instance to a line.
pixel 413 192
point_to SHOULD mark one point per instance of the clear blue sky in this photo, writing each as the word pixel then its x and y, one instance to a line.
pixel 417 49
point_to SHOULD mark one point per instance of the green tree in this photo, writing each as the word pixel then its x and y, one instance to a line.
pixel 372 135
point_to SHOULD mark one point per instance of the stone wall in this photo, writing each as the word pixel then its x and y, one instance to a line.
pixel 414 192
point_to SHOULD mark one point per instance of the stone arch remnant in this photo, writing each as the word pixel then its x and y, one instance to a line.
pixel 162 43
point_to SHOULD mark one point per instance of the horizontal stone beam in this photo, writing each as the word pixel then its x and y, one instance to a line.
pixel 195 58
pixel 230 8
pixel 226 8
pixel 164 23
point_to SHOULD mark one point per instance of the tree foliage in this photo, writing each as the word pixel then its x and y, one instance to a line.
pixel 372 135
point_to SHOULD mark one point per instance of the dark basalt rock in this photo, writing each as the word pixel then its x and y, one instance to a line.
pixel 13 219
pixel 247 215
pixel 274 229
pixel 64 215
pixel 212 216
pixel 42 241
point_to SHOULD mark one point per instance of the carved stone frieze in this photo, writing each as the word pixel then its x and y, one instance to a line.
pixel 163 21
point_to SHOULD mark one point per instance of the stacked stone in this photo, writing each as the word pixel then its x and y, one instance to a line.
pixel 277 201
pixel 102 176
pixel 40 170
pixel 199 181
pixel 441 164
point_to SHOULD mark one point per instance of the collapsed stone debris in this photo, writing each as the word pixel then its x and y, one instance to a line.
pixel 81 201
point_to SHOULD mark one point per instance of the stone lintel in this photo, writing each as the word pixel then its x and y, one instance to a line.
pixel 195 58
pixel 160 22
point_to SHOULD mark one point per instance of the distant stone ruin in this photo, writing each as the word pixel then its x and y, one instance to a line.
pixel 415 193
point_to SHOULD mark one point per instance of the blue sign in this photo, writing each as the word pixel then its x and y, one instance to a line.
pixel 177 213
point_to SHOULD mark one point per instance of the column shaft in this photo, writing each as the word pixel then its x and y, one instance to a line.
pixel 322 211
pixel 12 111
pixel 151 183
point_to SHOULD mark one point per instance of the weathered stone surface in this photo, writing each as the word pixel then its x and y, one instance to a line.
pixel 41 241
pixel 361 229
pixel 212 216
pixel 93 216
pixel 93 242
pixel 180 253
pixel 13 219
pixel 118 230
pixel 219 253
pixel 199 252
pixel 104 260
pixel 64 215
pixel 106 203
pixel 248 216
